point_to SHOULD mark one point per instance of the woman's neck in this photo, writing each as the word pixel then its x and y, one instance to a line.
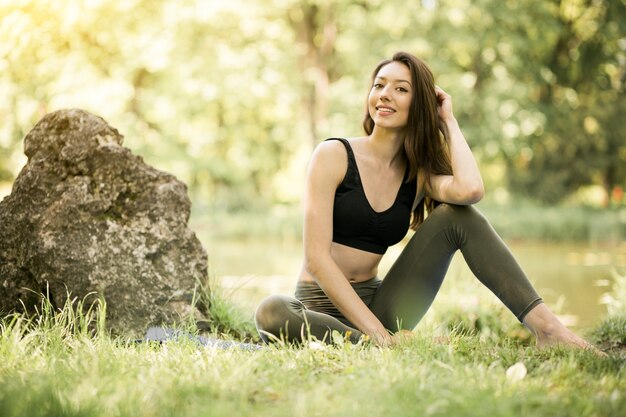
pixel 387 145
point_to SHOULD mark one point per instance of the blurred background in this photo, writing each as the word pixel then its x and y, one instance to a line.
pixel 232 96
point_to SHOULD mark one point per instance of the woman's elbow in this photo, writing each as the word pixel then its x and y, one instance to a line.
pixel 473 194
pixel 478 193
pixel 309 266
pixel 312 264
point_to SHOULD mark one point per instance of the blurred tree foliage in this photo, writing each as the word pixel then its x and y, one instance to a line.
pixel 231 96
pixel 578 86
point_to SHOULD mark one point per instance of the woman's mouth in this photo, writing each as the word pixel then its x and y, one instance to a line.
pixel 385 110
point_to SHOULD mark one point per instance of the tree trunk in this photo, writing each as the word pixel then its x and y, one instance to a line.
pixel 316 31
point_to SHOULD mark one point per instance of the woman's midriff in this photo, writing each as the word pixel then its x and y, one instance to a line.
pixel 357 265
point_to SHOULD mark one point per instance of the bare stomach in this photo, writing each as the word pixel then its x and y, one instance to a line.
pixel 357 265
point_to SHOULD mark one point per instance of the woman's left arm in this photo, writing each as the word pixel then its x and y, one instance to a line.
pixel 465 185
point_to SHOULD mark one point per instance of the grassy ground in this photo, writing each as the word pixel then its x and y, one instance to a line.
pixel 469 364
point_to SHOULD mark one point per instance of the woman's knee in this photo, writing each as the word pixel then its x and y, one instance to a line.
pixel 270 311
pixel 274 312
pixel 458 214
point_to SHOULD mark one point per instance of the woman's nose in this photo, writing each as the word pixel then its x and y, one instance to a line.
pixel 384 94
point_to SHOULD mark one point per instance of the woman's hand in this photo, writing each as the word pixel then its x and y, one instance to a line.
pixel 402 336
pixel 444 105
pixel 381 338
pixel 385 339
pixel 465 185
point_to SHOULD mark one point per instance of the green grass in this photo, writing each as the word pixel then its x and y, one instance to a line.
pixel 611 333
pixel 63 363
pixel 225 318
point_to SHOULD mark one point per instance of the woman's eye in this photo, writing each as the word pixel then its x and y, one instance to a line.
pixel 403 90
pixel 378 85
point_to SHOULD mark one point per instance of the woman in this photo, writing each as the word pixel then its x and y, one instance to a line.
pixel 361 194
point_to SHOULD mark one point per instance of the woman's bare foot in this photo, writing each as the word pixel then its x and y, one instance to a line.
pixel 549 331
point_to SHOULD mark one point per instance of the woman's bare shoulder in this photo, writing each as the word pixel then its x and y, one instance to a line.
pixel 329 161
pixel 328 152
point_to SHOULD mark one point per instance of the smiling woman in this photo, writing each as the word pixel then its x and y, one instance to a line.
pixel 359 198
pixel 391 85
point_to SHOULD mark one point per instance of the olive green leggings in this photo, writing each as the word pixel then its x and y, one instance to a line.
pixel 402 298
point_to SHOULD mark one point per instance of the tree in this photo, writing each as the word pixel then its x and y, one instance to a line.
pixel 224 94
pixel 577 78
pixel 212 109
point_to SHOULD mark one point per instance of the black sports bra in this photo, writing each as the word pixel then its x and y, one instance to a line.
pixel 356 224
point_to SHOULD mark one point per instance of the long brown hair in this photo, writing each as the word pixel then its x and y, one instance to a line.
pixel 424 146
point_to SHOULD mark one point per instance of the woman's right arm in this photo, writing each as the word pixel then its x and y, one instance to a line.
pixel 326 171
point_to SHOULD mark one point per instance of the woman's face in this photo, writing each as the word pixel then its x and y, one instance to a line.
pixel 390 98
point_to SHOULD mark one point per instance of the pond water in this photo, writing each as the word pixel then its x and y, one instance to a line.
pixel 572 279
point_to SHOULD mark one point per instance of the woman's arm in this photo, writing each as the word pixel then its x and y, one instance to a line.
pixel 326 171
pixel 465 185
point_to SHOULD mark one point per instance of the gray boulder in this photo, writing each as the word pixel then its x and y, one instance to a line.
pixel 85 216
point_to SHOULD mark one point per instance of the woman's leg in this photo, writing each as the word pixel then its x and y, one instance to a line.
pixel 280 317
pixel 409 288
pixel 550 331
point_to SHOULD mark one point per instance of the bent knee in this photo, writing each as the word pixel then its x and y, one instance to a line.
pixel 460 213
pixel 274 311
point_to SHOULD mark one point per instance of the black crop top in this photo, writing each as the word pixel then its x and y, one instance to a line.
pixel 356 224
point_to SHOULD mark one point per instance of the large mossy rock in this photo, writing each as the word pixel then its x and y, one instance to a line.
pixel 85 216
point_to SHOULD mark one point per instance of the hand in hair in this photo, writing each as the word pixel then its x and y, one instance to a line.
pixel 444 105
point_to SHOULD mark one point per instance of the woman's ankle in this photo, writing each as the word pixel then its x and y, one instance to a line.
pixel 549 330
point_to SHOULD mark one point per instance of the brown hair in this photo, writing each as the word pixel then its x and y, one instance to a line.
pixel 424 146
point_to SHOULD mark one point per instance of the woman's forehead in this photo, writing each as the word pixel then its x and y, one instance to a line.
pixel 395 71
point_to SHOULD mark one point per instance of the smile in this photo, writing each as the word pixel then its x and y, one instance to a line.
pixel 383 109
